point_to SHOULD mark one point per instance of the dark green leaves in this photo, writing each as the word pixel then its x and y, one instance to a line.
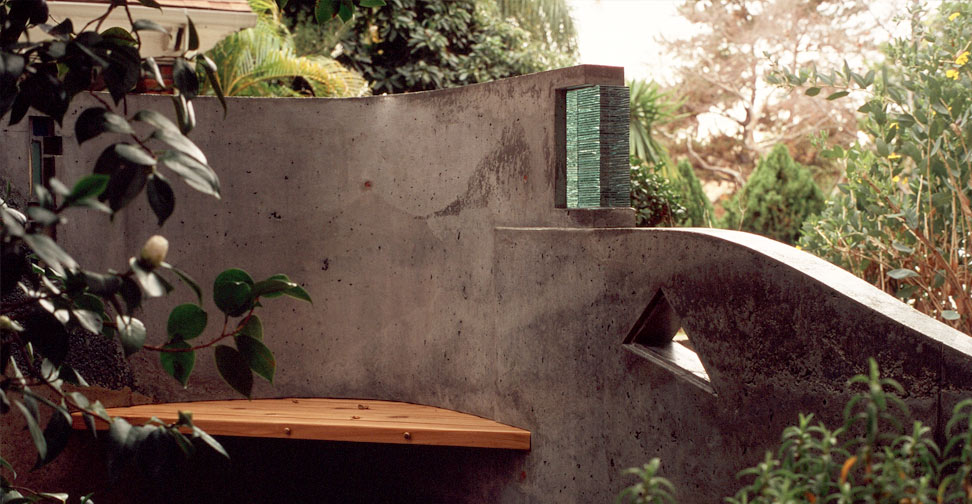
pixel 253 328
pixel 178 364
pixel 293 290
pixel 838 94
pixel 813 91
pixel 186 322
pixel 160 196
pixel 234 369
pixel 232 292
pixel 258 356
pixel 88 187
pixel 131 333
pixel 95 121
pixel 184 78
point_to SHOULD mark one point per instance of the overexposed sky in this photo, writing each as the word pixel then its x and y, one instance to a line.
pixel 625 32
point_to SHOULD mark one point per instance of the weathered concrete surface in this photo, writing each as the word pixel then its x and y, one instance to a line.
pixel 426 228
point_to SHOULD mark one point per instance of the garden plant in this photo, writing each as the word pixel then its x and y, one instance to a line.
pixel 902 219
pixel 879 454
pixel 48 297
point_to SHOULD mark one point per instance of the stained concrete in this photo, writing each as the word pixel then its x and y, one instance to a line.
pixel 428 230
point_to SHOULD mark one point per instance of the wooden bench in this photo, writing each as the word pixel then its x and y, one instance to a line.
pixel 355 420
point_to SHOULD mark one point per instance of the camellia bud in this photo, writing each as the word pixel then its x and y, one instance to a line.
pixel 153 253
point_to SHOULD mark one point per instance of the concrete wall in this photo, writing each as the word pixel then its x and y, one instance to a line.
pixel 426 227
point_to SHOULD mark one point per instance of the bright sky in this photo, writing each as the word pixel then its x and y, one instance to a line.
pixel 625 32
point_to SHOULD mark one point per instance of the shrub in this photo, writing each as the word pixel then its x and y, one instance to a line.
pixel 779 195
pixel 902 219
pixel 656 200
pixel 698 208
pixel 887 457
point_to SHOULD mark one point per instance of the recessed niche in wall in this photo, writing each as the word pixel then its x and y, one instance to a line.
pixel 598 171
pixel 658 336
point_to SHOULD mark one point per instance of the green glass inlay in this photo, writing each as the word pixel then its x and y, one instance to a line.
pixel 597 147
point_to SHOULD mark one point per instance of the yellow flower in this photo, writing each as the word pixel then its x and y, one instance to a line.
pixel 895 178
pixel 892 157
pixel 952 74
pixel 962 58
pixel 799 247
pixel 954 16
pixel 893 125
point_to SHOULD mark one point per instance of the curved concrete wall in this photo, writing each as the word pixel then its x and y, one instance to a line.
pixel 427 230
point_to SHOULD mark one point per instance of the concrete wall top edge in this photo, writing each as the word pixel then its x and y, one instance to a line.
pixel 852 288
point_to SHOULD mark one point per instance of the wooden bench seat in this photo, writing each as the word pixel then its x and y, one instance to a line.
pixel 356 420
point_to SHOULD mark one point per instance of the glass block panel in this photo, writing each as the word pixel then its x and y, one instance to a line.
pixel 597 147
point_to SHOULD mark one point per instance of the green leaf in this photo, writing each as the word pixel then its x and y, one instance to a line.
pixel 97 120
pixel 184 78
pixel 148 24
pixel 814 91
pixel 185 278
pixel 253 328
pixel 100 284
pixel 372 3
pixel 133 154
pixel 197 175
pixel 345 12
pixel 234 369
pixel 56 436
pixel 232 292
pixel 324 11
pixel 209 440
pixel 150 282
pixel 36 434
pixel 131 333
pixel 258 356
pixel 901 273
pixel 153 69
pixel 901 247
pixel 51 253
pixel 160 196
pixel 180 142
pixel 178 364
pixel 186 322
pixel 299 293
pixel 209 66
pixel 838 94
pixel 950 315
pixel 271 286
pixel 90 186
pixel 124 185
pixel 193 35
pixel 42 216
pixel 89 320
pixel 150 3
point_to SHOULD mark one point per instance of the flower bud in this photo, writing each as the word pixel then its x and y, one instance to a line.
pixel 153 253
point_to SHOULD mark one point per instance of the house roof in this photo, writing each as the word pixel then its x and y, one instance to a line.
pixel 213 5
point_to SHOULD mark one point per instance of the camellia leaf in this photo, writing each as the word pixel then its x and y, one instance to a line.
pixel 178 364
pixel 258 356
pixel 234 369
pixel 299 293
pixel 36 434
pixel 197 175
pixel 90 186
pixel 56 435
pixel 185 278
pixel 209 66
pixel 209 440
pixel 232 292
pixel 324 11
pixel 131 333
pixel 97 120
pixel 148 24
pixel 814 91
pixel 150 282
pixel 184 78
pixel 900 273
pixel 180 142
pixel 193 35
pixel 160 196
pixel 253 328
pixel 51 253
pixel 838 94
pixel 271 286
pixel 186 322
pixel 89 320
